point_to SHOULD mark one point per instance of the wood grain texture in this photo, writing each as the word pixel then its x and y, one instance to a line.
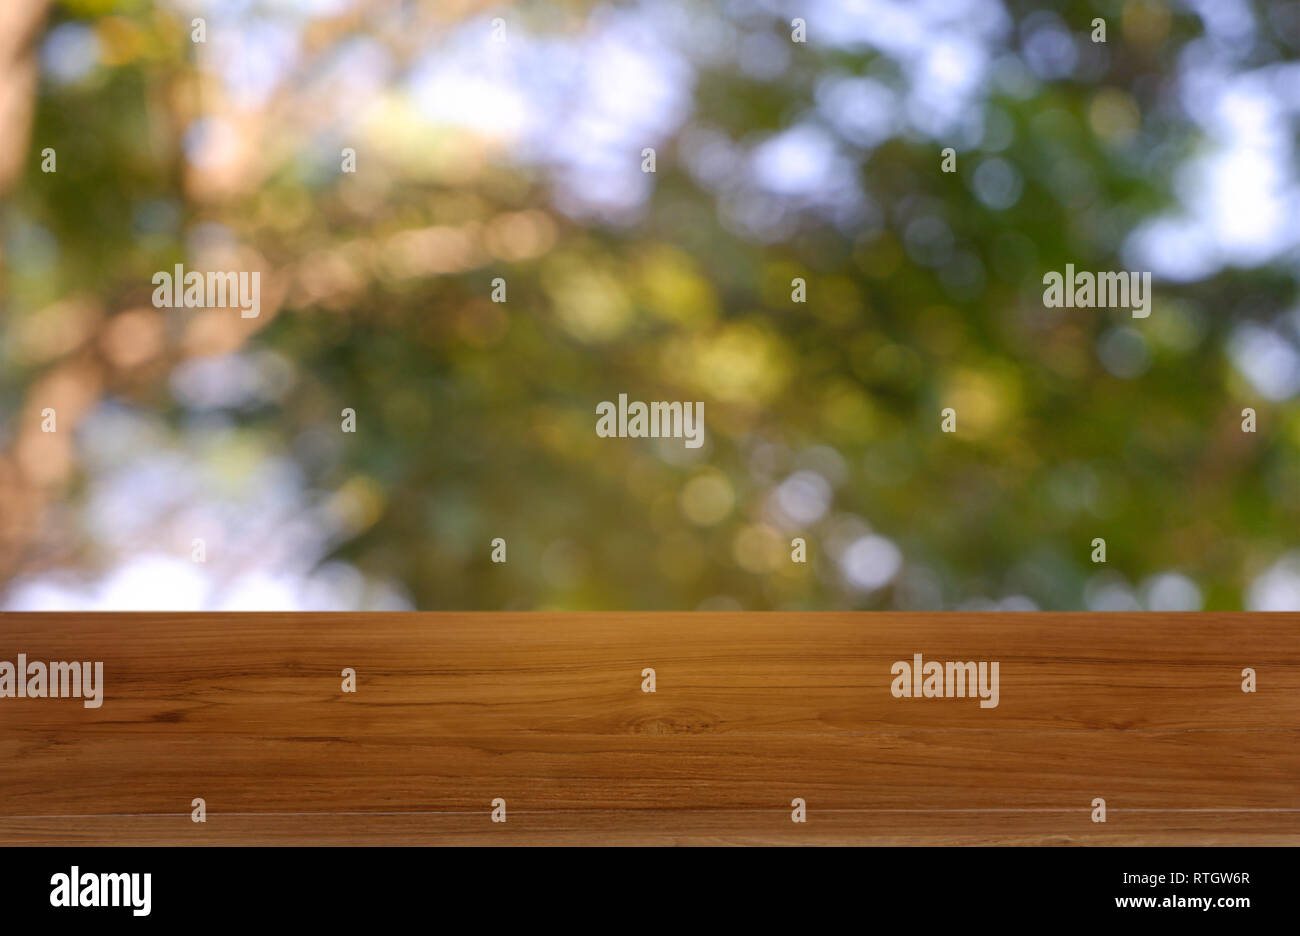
pixel 751 710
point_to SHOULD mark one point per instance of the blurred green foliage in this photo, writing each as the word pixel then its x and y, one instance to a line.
pixel 476 419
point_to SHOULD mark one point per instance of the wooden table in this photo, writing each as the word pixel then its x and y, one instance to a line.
pixel 750 712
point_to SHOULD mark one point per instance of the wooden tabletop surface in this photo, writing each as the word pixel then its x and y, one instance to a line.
pixel 751 712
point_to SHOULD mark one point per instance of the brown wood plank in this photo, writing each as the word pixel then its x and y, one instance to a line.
pixel 665 827
pixel 946 770
pixel 752 710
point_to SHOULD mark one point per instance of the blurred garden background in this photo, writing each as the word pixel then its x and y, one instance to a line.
pixel 1170 147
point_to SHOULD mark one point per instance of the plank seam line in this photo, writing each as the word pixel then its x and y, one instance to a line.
pixel 692 809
